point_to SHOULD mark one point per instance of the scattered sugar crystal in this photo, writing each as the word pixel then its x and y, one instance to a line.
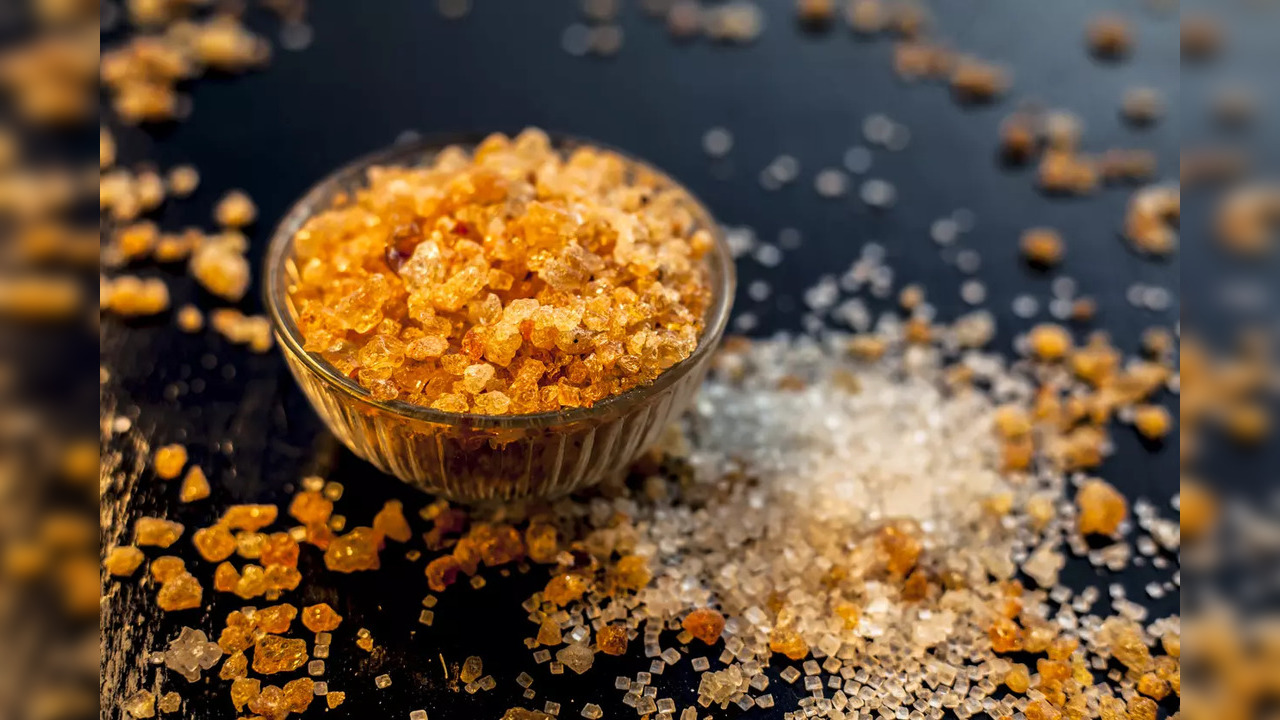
pixel 191 653
pixel 857 159
pixel 790 674
pixel 487 683
pixel 321 688
pixel 315 667
pixel 382 681
pixel 471 669
pixel 168 703
pixel 592 711
pixel 141 704
pixel 426 617
pixel 577 657
pixel 418 715
pixel 878 193
pixel 968 261
pixel 877 128
pixel 700 664
pixel 717 142
pixel 1025 306
pixel 542 656
pixel 524 680
pixel 831 183
pixel 556 668
pixel 768 255
pixel 657 666
pixel 973 292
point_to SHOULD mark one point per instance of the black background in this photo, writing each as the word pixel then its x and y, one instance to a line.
pixel 378 69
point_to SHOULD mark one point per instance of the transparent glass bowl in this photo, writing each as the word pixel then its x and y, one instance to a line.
pixel 470 457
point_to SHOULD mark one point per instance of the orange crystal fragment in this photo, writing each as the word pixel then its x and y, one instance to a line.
pixel 705 624
pixel 1049 342
pixel 195 486
pixel 632 572
pixel 281 577
pixel 335 698
pixel 273 654
pixel 320 618
pixel 357 550
pixel 549 632
pixel 252 582
pixel 1018 679
pixel 238 635
pixel 541 542
pixel 167 567
pixel 215 543
pixel 612 640
pixel 1005 635
pixel 788 642
pixel 900 548
pixel 442 572
pixel 169 461
pixel 123 560
pixel 156 531
pixel 270 704
pixel 280 549
pixel 250 518
pixel 1141 708
pixel 565 588
pixel 1153 686
pixel 225 577
pixel 1101 508
pixel 498 545
pixel 390 522
pixel 235 666
pixel 298 694
pixel 244 690
pixel 276 619
pixel 249 545
pixel 182 592
pixel 311 508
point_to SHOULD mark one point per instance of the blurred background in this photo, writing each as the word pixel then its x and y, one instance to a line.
pixel 818 132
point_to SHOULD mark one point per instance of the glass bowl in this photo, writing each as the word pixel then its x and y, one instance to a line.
pixel 472 457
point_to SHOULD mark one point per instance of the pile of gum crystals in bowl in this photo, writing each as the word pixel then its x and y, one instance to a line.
pixel 515 279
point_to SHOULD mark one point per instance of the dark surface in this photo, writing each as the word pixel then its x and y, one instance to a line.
pixel 378 69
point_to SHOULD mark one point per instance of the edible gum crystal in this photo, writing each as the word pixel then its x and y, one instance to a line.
pixel 517 279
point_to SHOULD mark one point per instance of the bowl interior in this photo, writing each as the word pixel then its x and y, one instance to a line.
pixel 281 271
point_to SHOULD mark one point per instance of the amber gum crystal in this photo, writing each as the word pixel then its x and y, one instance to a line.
pixel 471 456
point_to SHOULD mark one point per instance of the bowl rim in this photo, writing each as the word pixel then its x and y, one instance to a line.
pixel 277 302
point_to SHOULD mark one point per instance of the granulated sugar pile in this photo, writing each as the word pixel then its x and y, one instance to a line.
pixel 850 514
